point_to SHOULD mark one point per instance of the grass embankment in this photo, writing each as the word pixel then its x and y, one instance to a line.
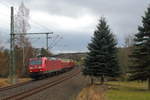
pixel 5 82
pixel 127 91
pixel 116 91
pixel 93 92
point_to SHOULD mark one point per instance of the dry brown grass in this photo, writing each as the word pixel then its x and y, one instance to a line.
pixel 94 92
pixel 24 79
pixel 5 82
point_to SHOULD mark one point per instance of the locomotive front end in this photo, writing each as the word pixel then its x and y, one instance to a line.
pixel 36 67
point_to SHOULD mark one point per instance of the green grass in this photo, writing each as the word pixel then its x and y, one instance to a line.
pixel 127 91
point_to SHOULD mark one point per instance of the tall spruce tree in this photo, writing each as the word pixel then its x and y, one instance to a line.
pixel 140 69
pixel 101 60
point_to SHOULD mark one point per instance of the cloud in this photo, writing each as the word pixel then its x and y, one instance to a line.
pixel 76 20
pixel 123 16
pixel 65 23
pixel 73 42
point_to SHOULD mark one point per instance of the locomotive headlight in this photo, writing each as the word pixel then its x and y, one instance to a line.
pixel 39 67
pixel 31 67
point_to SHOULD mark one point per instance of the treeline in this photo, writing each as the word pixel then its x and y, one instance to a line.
pixel 22 56
pixel 4 62
pixel 124 61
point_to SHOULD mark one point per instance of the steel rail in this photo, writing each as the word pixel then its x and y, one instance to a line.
pixel 14 86
pixel 30 92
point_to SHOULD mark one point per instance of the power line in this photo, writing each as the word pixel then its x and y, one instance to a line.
pixel 40 25
pixel 4 4
pixel 55 42
pixel 35 22
pixel 43 26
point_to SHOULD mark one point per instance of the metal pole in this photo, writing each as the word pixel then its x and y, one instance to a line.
pixel 14 60
pixel 23 59
pixel 12 69
pixel 37 34
pixel 10 61
pixel 47 41
pixel 12 64
pixel 32 33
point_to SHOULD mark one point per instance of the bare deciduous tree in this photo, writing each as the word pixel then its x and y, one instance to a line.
pixel 22 26
pixel 129 40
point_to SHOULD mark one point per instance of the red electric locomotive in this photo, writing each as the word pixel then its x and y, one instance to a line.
pixel 43 66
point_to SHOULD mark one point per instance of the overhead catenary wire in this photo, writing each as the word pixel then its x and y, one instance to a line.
pixel 5 4
pixel 8 6
pixel 54 43
pixel 43 26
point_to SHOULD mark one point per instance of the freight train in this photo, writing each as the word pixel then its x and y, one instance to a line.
pixel 45 66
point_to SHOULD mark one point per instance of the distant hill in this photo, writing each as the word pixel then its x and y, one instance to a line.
pixel 74 56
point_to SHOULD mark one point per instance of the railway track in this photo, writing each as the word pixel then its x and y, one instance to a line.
pixel 14 86
pixel 30 92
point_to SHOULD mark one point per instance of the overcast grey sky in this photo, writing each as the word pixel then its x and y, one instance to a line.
pixel 75 20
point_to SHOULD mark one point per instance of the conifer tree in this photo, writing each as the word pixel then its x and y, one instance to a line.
pixel 140 69
pixel 101 60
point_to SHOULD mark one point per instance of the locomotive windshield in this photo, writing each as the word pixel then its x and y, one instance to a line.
pixel 36 62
